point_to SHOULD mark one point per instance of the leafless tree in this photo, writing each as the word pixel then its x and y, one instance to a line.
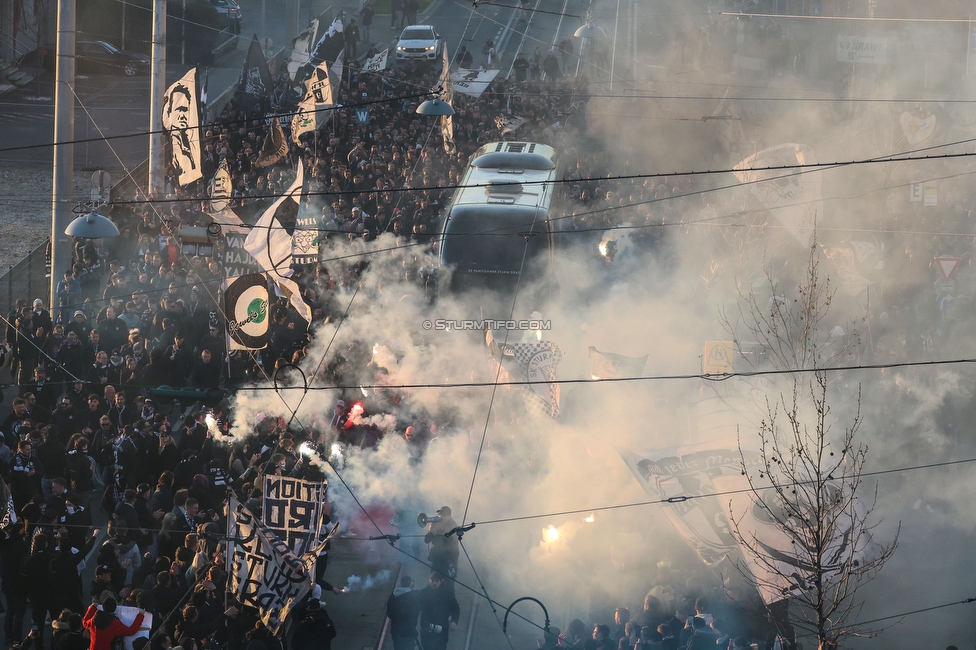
pixel 806 529
pixel 790 328
pixel 807 484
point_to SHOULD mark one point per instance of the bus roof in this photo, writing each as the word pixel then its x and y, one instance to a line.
pixel 508 173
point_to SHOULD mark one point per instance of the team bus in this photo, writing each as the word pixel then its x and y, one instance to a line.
pixel 497 227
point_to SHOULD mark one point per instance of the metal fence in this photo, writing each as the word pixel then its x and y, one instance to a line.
pixel 27 279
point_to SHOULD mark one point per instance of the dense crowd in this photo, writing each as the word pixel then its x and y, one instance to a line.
pixel 138 311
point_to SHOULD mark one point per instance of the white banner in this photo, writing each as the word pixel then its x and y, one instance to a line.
pixel 377 63
pixel 472 82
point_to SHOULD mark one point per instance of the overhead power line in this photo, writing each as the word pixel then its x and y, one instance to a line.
pixel 619 380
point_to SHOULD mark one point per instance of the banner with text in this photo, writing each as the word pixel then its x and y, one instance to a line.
pixel 293 510
pixel 262 572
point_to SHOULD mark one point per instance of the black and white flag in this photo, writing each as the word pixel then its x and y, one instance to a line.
pixel 220 188
pixel 318 95
pixel 275 146
pixel 246 307
pixel 293 510
pixel 376 63
pixel 270 242
pixel 181 121
pixel 261 571
pixel 330 45
pixel 255 83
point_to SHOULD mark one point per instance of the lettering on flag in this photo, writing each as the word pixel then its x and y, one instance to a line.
pixel 293 510
pixel 181 121
pixel 536 363
pixel 262 572
pixel 377 63
pixel 472 82
pixel 318 86
pixel 246 307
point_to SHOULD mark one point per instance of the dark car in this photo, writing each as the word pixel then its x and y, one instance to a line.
pixel 230 15
pixel 92 57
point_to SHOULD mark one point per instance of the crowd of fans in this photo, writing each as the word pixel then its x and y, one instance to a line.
pixel 138 311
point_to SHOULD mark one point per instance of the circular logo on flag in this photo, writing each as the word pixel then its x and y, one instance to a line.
pixel 247 310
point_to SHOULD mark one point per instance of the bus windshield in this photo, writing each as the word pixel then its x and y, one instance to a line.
pixel 492 242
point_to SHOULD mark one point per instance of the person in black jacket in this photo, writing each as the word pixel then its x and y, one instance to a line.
pixel 439 613
pixel 403 608
pixel 13 551
pixel 63 571
pixel 314 628
pixel 33 571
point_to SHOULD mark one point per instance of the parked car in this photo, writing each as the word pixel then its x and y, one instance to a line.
pixel 230 15
pixel 419 43
pixel 91 57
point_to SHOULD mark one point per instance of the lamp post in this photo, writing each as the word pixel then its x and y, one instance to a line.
pixel 64 149
pixel 587 32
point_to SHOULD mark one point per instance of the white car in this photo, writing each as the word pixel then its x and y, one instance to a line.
pixel 419 43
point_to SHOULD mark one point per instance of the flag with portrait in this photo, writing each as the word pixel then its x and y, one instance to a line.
pixel 181 122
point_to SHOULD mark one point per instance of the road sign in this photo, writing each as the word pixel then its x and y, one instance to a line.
pixel 947 266
pixel 718 358
pixel 944 301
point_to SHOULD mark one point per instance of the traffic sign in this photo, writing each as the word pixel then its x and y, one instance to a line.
pixel 947 266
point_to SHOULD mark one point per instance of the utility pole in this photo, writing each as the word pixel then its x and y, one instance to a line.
pixel 64 148
pixel 157 86
pixel 291 14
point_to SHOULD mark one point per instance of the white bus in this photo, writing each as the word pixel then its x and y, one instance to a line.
pixel 497 226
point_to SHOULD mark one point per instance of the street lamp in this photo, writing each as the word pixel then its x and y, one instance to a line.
pixel 92 226
pixel 436 107
pixel 588 31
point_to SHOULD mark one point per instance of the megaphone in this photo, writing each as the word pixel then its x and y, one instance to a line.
pixel 423 520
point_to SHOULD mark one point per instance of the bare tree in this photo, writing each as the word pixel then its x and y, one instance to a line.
pixel 806 529
pixel 791 328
